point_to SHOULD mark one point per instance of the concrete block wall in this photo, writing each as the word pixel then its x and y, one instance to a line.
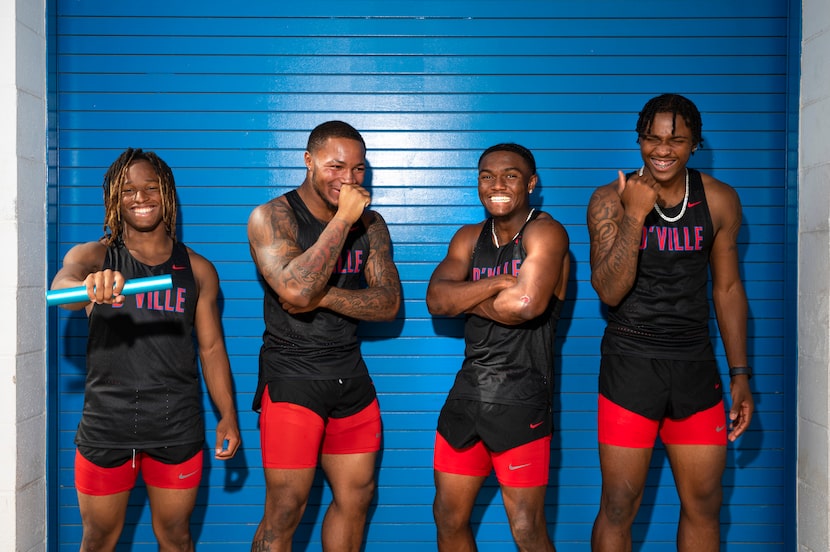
pixel 22 278
pixel 813 463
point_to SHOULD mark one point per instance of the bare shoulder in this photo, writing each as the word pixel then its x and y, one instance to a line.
pixel 91 249
pixel 456 263
pixel 545 220
pixel 79 262
pixel 90 255
pixel 463 242
pixel 605 203
pixel 272 223
pixel 724 202
pixel 372 218
pixel 378 232
pixel 468 233
pixel 546 227
pixel 197 260
pixel 717 190
pixel 266 213
pixel 203 270
pixel 606 192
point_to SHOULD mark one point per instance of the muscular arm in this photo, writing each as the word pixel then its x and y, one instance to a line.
pixel 449 292
pixel 729 297
pixel 297 276
pixel 615 224
pixel 381 300
pixel 82 267
pixel 543 274
pixel 214 358
pixel 504 298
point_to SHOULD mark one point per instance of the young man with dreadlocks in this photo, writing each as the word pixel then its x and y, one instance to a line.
pixel 656 233
pixel 507 274
pixel 142 402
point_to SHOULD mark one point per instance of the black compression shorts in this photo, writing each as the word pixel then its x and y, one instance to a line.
pixel 114 457
pixel 334 398
pixel 660 388
pixel 501 427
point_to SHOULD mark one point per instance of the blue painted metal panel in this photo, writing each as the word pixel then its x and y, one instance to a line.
pixel 227 95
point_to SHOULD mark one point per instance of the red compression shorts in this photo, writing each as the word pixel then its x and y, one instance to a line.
pixel 290 435
pixel 97 481
pixel 527 465
pixel 623 428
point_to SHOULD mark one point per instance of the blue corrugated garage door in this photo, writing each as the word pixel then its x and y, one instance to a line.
pixel 227 93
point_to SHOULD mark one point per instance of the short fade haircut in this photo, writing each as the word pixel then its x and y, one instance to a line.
pixel 522 151
pixel 676 105
pixel 332 129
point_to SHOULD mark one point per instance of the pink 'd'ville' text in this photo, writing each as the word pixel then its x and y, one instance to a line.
pixel 509 267
pixel 171 300
pixel 350 262
pixel 673 239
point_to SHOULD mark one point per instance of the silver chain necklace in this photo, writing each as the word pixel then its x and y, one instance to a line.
pixel 493 228
pixel 682 209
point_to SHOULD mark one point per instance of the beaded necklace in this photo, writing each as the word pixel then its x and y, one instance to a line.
pixel 493 228
pixel 682 209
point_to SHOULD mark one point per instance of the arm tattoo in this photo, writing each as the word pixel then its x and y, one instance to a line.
pixel 381 300
pixel 312 271
pixel 615 245
pixel 281 261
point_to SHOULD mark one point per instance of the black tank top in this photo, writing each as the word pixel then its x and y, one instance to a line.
pixel 142 384
pixel 506 364
pixel 320 344
pixel 666 313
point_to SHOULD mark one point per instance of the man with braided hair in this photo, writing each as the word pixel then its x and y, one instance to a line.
pixel 142 401
pixel 655 235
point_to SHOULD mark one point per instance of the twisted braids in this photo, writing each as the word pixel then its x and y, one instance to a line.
pixel 676 105
pixel 522 151
pixel 114 183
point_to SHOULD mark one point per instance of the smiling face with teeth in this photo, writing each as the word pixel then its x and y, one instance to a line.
pixel 141 202
pixel 505 181
pixel 666 148
pixel 337 162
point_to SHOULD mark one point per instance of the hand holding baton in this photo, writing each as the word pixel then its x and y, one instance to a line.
pixel 131 287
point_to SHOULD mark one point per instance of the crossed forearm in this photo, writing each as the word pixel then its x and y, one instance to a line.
pixel 308 273
pixel 371 304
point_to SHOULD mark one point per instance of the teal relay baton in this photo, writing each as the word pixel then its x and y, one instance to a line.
pixel 131 287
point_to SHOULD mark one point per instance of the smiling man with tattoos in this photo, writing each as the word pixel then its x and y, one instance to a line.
pixel 656 234
pixel 314 248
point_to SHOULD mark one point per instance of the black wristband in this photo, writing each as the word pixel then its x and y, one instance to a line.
pixel 740 371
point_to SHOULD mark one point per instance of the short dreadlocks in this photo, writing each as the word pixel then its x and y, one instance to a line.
pixel 114 182
pixel 676 105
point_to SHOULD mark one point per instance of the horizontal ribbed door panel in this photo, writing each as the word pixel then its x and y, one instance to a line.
pixel 227 93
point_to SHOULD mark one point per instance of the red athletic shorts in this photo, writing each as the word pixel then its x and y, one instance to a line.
pixel 527 465
pixel 291 435
pixel 92 479
pixel 624 428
